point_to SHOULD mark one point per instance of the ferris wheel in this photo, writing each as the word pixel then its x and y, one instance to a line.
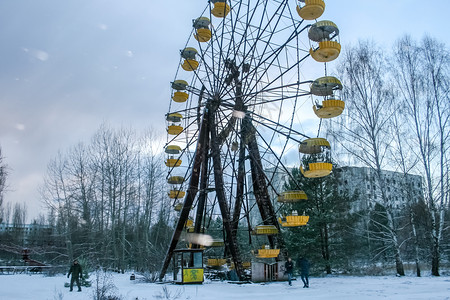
pixel 235 119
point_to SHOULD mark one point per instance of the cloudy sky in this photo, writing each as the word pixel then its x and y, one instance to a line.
pixel 68 66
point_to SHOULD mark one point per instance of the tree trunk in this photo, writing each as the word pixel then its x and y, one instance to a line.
pixel 435 257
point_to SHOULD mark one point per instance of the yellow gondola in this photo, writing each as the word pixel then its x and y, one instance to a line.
pixel 176 194
pixel 312 9
pixel 316 170
pixel 220 9
pixel 265 230
pixel 325 33
pixel 217 243
pixel 266 252
pixel 175 180
pixel 202 31
pixel 245 265
pixel 189 223
pixel 174 129
pixel 180 95
pixel 292 196
pixel 189 64
pixel 293 221
pixel 203 35
pixel 179 85
pixel 327 86
pixel 316 161
pixel 216 262
pixel 199 246
pixel 174 117
pixel 329 108
pixel 313 146
pixel 172 149
pixel 178 206
pixel 173 162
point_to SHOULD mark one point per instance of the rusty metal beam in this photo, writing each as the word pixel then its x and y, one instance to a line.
pixel 203 185
pixel 230 238
pixel 240 185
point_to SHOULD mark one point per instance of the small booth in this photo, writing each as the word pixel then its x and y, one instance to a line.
pixel 266 272
pixel 188 266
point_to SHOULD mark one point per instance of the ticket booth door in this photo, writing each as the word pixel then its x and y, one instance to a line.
pixel 188 266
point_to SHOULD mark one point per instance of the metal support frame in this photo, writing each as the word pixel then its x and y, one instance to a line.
pixel 190 195
pixel 230 237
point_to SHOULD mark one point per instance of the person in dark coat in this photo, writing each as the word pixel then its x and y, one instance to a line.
pixel 77 274
pixel 303 264
pixel 289 266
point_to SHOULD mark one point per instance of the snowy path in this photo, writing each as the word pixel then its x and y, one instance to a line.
pixel 37 287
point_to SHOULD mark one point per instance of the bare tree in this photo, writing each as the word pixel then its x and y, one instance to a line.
pixel 3 176
pixel 104 195
pixel 422 76
pixel 57 196
pixel 365 130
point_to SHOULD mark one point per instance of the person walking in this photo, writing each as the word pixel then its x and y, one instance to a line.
pixel 303 264
pixel 289 266
pixel 77 274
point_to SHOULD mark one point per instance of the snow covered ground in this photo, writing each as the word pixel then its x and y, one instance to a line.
pixel 39 287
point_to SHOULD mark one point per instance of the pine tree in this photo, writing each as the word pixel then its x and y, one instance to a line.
pixel 324 239
pixel 84 267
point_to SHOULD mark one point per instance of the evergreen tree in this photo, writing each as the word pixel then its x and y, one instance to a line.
pixel 326 238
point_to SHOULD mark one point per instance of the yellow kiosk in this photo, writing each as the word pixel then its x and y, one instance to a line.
pixel 188 266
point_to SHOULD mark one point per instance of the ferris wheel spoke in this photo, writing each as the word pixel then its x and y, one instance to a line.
pixel 277 99
pixel 244 136
pixel 231 100
pixel 266 41
pixel 279 162
pixel 289 130
pixel 269 148
pixel 273 56
pixel 219 40
pixel 261 29
pixel 245 21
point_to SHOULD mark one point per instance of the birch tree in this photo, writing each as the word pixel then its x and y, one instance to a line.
pixel 421 72
pixel 3 175
pixel 364 130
